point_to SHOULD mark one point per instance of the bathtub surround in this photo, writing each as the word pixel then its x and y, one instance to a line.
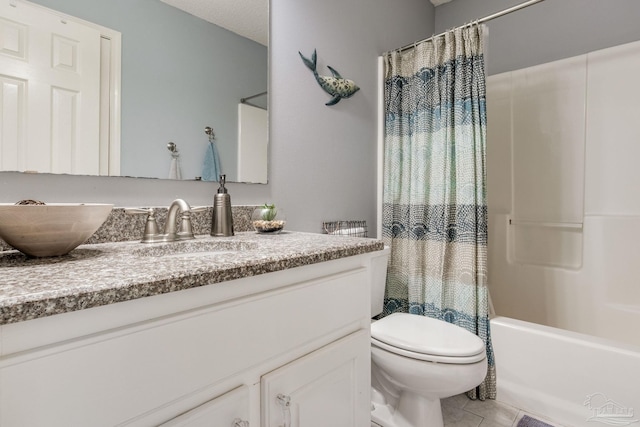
pixel 568 263
pixel 568 257
pixel 434 211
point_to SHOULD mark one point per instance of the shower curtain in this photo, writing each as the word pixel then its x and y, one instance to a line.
pixel 434 194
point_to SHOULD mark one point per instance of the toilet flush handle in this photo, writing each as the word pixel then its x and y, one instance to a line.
pixel 285 403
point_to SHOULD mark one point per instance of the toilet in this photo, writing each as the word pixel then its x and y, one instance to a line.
pixel 416 361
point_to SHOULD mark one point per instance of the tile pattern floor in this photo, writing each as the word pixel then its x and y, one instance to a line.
pixel 460 411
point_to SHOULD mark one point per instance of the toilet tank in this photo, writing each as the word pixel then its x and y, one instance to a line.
pixel 379 280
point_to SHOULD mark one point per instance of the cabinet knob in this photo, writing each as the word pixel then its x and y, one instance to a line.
pixel 285 402
pixel 240 423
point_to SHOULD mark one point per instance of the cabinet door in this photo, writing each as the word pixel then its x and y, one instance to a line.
pixel 329 387
pixel 229 410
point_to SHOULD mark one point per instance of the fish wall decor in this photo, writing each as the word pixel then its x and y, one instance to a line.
pixel 336 85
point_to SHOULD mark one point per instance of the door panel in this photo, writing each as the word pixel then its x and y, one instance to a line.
pixel 329 387
pixel 229 410
pixel 12 97
pixel 56 112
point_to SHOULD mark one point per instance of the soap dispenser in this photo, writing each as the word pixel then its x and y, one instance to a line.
pixel 221 220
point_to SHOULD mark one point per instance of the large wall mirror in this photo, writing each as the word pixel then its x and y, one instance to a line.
pixel 179 75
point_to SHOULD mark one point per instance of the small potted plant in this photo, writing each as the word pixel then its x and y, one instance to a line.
pixel 267 219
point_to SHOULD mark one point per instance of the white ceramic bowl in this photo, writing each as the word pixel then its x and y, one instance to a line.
pixel 53 229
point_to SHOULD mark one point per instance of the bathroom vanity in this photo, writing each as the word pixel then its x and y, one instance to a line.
pixel 250 330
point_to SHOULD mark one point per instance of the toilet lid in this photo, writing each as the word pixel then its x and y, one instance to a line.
pixel 426 336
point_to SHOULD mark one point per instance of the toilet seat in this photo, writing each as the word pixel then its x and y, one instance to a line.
pixel 428 339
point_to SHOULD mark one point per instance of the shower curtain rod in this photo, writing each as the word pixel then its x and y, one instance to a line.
pixel 478 21
pixel 243 100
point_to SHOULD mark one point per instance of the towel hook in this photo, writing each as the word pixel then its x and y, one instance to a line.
pixel 209 131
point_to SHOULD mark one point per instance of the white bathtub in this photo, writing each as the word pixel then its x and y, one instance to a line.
pixel 570 378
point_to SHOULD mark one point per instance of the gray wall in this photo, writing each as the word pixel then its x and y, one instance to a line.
pixel 322 158
pixel 179 74
pixel 547 31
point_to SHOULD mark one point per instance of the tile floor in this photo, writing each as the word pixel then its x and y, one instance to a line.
pixel 460 411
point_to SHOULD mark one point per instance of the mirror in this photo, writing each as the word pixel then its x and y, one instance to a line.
pixel 180 74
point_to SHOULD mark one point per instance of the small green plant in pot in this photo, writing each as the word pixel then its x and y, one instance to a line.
pixel 267 219
pixel 268 212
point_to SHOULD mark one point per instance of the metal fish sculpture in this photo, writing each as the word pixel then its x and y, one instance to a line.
pixel 336 86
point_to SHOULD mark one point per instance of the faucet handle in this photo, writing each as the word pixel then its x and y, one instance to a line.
pixel 151 230
pixel 134 211
pixel 186 228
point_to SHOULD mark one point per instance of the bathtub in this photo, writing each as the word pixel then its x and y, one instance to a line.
pixel 570 378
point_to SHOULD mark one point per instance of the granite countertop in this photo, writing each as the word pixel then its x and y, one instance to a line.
pixel 99 274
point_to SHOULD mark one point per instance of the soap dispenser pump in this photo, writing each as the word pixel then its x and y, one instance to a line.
pixel 222 220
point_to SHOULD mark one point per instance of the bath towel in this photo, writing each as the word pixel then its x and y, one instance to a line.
pixel 211 168
pixel 174 171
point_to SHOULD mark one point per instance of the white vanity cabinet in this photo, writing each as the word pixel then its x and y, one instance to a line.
pixel 230 410
pixel 216 355
pixel 329 387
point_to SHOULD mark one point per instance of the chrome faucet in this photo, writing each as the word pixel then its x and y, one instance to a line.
pixel 171 233
pixel 170 226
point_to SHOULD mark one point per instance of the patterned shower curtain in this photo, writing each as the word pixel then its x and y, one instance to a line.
pixel 435 211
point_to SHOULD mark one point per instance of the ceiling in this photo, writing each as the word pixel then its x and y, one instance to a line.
pixel 249 18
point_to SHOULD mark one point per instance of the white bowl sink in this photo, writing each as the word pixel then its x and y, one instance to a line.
pixel 53 229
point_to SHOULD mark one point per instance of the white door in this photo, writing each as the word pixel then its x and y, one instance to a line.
pixel 49 91
pixel 329 387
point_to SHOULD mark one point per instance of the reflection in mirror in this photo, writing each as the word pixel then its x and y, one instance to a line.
pixel 180 74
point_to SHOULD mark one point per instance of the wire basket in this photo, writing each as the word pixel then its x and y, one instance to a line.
pixel 345 228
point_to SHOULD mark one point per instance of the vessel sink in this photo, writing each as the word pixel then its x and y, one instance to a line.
pixel 193 248
pixel 52 229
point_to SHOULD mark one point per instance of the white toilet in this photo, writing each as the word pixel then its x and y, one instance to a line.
pixel 416 361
